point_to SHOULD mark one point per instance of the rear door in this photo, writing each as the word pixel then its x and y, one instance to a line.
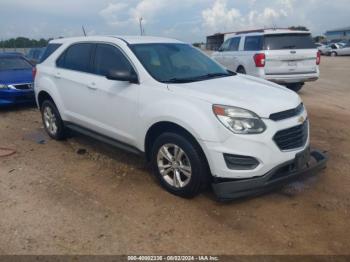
pixel 73 77
pixel 292 53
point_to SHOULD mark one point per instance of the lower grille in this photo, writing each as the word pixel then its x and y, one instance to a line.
pixel 23 86
pixel 292 138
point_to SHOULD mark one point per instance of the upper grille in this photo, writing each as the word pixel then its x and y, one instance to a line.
pixel 292 138
pixel 23 86
pixel 287 114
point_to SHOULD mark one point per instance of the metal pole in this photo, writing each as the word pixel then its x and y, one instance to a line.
pixel 141 30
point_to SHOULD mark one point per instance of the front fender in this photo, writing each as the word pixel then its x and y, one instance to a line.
pixel 196 117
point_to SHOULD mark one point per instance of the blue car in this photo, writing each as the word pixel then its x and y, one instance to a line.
pixel 16 80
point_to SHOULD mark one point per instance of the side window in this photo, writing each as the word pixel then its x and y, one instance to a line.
pixel 77 57
pixel 234 44
pixel 253 43
pixel 108 57
pixel 225 45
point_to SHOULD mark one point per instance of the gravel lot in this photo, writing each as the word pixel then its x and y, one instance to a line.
pixel 104 201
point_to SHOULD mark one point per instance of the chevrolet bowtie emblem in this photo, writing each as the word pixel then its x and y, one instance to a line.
pixel 301 120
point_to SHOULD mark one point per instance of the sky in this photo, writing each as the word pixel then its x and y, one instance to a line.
pixel 186 20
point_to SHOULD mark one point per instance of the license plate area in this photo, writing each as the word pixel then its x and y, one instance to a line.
pixel 302 158
pixel 292 63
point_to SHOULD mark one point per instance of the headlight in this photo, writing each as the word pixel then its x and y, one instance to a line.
pixel 3 86
pixel 238 120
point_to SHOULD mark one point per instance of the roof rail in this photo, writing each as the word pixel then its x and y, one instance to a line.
pixel 255 31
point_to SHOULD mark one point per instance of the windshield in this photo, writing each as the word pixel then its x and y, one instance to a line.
pixel 289 41
pixel 177 63
pixel 13 63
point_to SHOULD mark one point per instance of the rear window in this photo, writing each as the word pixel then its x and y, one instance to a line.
pixel 14 63
pixel 48 51
pixel 288 41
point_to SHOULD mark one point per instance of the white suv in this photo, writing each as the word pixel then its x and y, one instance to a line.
pixel 285 57
pixel 193 120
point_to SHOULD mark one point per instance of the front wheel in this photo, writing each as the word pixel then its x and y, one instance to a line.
pixel 179 165
pixel 334 54
pixel 295 87
pixel 241 70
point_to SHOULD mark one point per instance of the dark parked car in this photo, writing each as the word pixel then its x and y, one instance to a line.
pixel 16 80
pixel 34 54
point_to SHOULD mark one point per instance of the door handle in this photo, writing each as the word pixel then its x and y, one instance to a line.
pixel 92 86
pixel 58 75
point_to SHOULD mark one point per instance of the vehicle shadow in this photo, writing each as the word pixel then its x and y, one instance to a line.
pixel 19 108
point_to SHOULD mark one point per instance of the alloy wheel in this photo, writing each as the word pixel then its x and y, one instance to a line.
pixel 50 120
pixel 174 165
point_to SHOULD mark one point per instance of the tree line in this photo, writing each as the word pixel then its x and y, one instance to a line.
pixel 23 42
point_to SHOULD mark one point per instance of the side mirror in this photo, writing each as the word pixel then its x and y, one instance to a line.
pixel 122 75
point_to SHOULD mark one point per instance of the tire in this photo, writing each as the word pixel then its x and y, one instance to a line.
pixel 295 87
pixel 52 120
pixel 185 176
pixel 334 54
pixel 241 70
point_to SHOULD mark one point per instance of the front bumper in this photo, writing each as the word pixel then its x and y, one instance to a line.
pixel 13 97
pixel 229 189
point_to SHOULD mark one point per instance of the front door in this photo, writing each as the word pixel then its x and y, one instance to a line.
pixel 113 104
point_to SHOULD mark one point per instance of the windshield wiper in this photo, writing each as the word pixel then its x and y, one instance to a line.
pixel 198 78
pixel 179 80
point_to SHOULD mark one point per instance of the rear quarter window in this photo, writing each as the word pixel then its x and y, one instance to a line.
pixel 253 43
pixel 49 50
pixel 288 41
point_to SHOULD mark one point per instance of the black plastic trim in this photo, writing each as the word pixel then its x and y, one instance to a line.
pixel 287 113
pixel 239 188
pixel 237 162
pixel 103 138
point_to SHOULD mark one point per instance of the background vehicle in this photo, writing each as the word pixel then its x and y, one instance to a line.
pixel 160 98
pixel 285 57
pixel 16 80
pixel 323 48
pixel 342 50
pixel 34 55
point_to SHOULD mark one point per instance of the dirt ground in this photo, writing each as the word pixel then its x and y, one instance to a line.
pixel 105 201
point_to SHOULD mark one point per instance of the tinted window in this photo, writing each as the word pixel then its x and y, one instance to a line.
pixel 108 57
pixel 234 44
pixel 225 45
pixel 48 51
pixel 77 57
pixel 289 41
pixel 13 63
pixel 253 43
pixel 177 63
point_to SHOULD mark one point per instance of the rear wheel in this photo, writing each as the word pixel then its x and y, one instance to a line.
pixel 53 123
pixel 179 165
pixel 295 87
pixel 241 70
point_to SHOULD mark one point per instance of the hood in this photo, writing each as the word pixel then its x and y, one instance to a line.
pixel 8 77
pixel 255 94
